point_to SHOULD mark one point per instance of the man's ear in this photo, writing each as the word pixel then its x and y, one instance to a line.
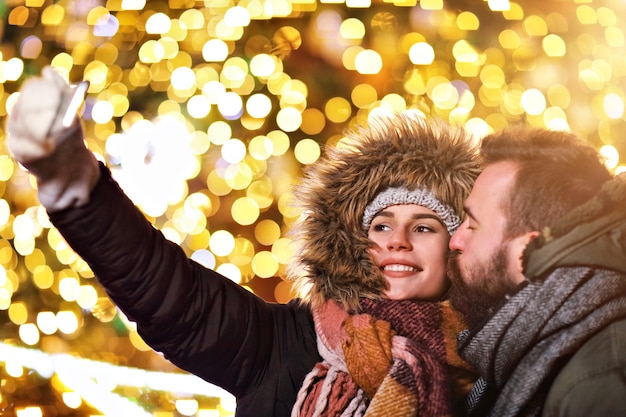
pixel 518 245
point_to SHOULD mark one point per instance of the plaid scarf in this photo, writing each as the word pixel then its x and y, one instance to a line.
pixel 391 360
pixel 519 352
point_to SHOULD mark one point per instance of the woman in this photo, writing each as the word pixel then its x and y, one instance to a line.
pixel 379 210
pixel 206 324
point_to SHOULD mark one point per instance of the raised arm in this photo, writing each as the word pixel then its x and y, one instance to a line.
pixel 200 320
pixel 192 314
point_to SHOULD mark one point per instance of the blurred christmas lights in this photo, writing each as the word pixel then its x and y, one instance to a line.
pixel 207 110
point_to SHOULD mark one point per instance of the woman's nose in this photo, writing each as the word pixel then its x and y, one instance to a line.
pixel 399 240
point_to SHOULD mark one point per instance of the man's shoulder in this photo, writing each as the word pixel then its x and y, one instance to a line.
pixel 593 382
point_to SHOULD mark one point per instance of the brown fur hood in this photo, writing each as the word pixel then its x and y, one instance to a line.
pixel 332 260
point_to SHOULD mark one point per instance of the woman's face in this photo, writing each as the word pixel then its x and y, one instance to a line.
pixel 410 244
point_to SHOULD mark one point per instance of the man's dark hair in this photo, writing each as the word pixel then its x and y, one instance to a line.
pixel 556 172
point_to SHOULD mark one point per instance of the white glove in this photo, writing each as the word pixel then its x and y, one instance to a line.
pixel 56 155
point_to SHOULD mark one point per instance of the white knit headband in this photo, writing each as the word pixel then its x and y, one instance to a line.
pixel 422 197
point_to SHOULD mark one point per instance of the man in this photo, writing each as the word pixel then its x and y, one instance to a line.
pixel 539 273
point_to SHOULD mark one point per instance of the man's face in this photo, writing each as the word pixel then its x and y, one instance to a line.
pixel 486 266
pixel 490 280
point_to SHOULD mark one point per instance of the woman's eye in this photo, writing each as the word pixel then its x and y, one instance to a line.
pixel 423 229
pixel 380 227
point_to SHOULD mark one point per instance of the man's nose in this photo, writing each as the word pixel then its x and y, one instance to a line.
pixel 457 240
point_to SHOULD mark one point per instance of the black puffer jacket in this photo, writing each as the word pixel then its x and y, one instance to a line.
pixel 201 321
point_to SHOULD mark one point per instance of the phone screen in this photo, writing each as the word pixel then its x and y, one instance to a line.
pixel 80 91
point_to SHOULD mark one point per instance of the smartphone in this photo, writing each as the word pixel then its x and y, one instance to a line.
pixel 80 92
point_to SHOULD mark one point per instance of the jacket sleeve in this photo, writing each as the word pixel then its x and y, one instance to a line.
pixel 200 320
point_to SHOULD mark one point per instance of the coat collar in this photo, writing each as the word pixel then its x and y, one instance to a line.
pixel 598 242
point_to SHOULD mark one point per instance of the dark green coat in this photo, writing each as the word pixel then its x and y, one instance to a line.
pixel 592 382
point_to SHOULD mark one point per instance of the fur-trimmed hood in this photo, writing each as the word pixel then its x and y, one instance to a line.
pixel 332 259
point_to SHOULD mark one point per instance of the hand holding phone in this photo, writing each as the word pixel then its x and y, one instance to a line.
pixel 44 115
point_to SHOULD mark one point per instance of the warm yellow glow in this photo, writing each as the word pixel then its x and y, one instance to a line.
pixel 199 107
pixel 230 105
pixel 553 45
pixel 499 5
pixel 610 156
pixel 29 334
pixel 614 36
pixel 509 39
pixel 464 52
pixel 67 322
pixel 421 53
pixel 221 243
pixel 259 106
pixel 283 250
pixel 368 61
pixel 137 342
pixel 245 211
pixel 352 28
pixel 183 78
pixel 445 96
pixel 18 313
pixel 613 106
pixel 87 297
pixel 69 288
pixel 237 16
pixel 46 321
pixel 307 151
pixel 267 232
pixel 289 119
pixel 215 50
pixel 233 150
pixel 533 101
pixel 158 24
pixel 468 21
pixel 72 400
pixel 338 109
pixel 5 212
pixel 263 65
pixel 586 15
pixel 24 227
pixel 29 412
pixel 187 407
pixel 102 112
pixel 264 264
pixel 535 26
pixel 230 271
pixel 280 142
pixel 242 255
pixel 431 4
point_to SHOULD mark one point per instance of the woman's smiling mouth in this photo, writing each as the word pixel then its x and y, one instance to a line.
pixel 400 268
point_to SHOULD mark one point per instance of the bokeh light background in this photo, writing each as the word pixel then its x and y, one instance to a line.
pixel 207 110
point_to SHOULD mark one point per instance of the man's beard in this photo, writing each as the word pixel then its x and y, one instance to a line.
pixel 491 284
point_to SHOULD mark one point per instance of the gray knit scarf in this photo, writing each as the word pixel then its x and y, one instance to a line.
pixel 521 349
